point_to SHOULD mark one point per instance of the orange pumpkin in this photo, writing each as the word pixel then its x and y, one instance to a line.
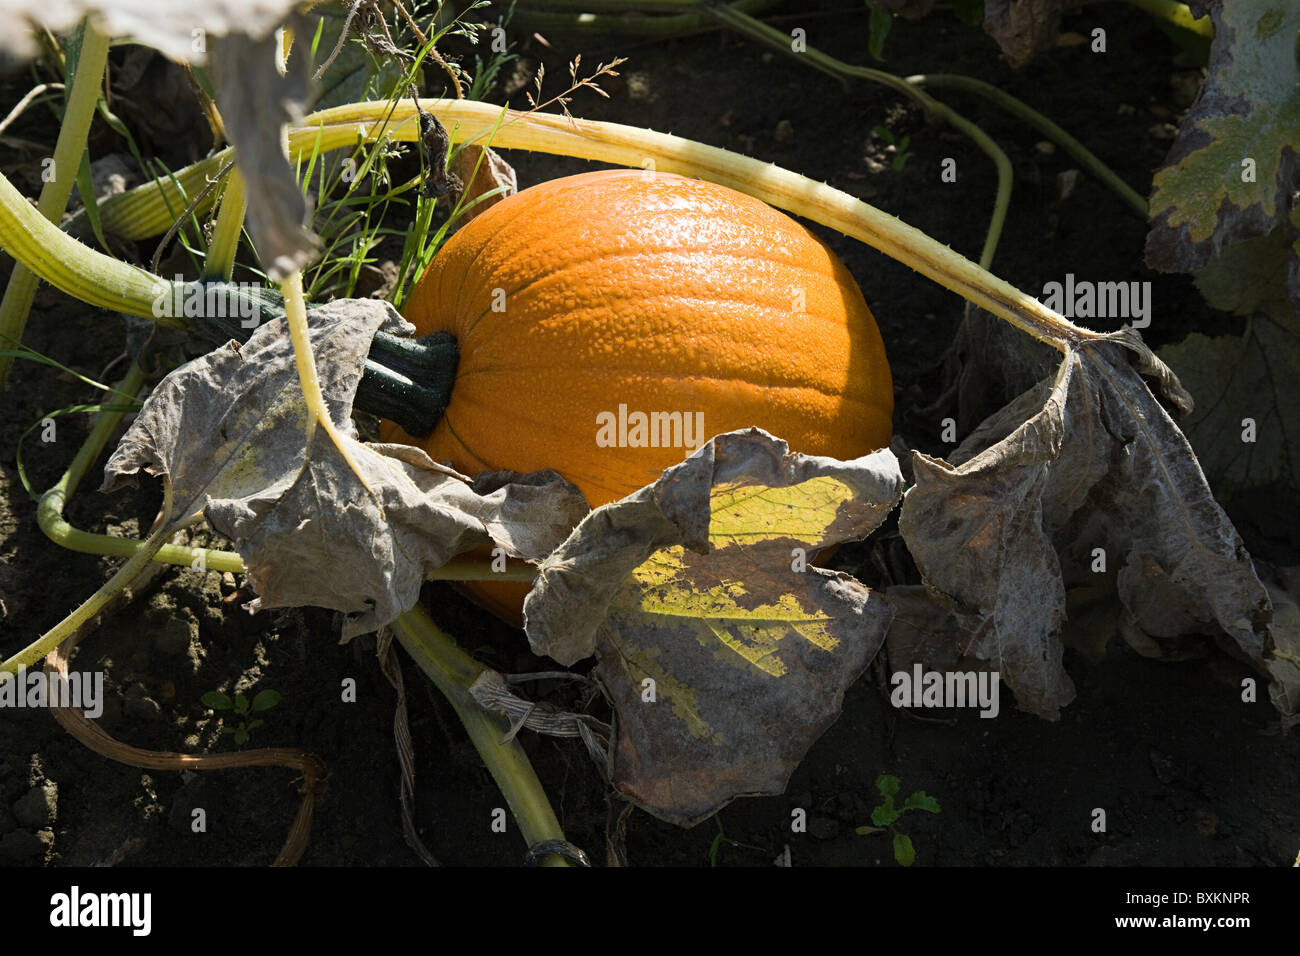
pixel 580 302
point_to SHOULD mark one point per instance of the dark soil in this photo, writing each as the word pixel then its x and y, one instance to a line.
pixel 1186 773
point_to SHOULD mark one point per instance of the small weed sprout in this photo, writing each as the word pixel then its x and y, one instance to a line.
pixel 900 146
pixel 241 706
pixel 721 840
pixel 886 814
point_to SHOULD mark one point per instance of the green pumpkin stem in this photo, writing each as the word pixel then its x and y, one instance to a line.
pixel 409 380
pixel 405 380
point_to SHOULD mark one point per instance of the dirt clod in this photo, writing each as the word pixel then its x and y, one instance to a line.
pixel 21 846
pixel 38 807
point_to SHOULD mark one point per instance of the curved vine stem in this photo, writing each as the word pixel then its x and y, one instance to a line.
pixel 66 263
pixel 660 27
pixel 317 413
pixel 49 516
pixel 150 208
pixel 453 672
pixel 49 510
pixel 93 736
pixel 1022 110
pixel 747 25
pixel 86 274
pixel 637 147
pixel 220 261
pixel 127 573
pixel 68 149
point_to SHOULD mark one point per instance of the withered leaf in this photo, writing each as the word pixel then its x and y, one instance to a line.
pixel 1086 467
pixel 434 143
pixel 255 101
pixel 1284 663
pixel 167 27
pixel 1023 27
pixel 922 630
pixel 485 179
pixel 701 584
pixel 229 430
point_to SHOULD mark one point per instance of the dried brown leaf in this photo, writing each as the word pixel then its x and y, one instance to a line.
pixel 255 101
pixel 229 429
pixel 725 654
pixel 175 28
pixel 1086 461
pixel 481 171
pixel 1284 663
pixel 1024 27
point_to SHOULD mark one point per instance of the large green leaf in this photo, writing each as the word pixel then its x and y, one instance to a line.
pixel 355 74
pixel 1246 425
pixel 1232 169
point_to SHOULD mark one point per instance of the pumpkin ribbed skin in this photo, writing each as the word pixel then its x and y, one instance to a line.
pixel 653 291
